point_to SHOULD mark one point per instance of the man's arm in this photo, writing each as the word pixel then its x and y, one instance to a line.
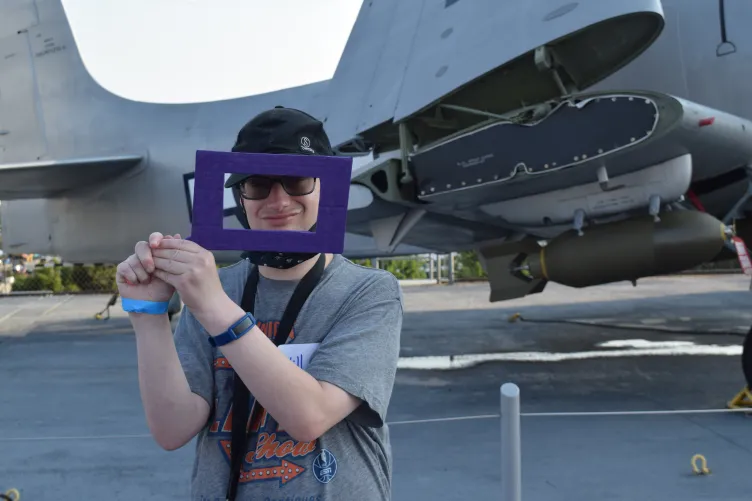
pixel 301 405
pixel 174 413
pixel 304 406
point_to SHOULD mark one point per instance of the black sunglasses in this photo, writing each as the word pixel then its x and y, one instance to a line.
pixel 259 187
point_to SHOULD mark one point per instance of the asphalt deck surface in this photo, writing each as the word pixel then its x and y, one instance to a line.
pixel 72 425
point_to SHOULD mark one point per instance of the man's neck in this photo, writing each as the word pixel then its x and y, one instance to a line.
pixel 294 273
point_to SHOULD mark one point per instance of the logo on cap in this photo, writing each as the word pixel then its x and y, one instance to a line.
pixel 305 145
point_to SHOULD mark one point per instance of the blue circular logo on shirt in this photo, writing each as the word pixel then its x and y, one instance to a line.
pixel 324 466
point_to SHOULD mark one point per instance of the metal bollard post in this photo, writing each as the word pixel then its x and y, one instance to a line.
pixel 511 454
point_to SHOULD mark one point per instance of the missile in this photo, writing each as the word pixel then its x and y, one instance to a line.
pixel 629 249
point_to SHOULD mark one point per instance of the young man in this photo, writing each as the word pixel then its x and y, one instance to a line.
pixel 322 434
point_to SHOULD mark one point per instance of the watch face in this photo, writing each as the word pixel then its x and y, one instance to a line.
pixel 241 327
pixel 244 324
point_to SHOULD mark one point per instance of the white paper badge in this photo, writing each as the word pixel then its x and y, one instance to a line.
pixel 300 354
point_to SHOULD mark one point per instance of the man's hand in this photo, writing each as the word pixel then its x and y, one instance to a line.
pixel 134 276
pixel 191 270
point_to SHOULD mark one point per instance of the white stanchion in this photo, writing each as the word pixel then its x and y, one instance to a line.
pixel 511 453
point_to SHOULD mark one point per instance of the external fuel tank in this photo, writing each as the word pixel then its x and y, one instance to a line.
pixel 630 249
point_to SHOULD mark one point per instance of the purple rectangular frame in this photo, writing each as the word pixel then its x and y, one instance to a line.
pixel 208 194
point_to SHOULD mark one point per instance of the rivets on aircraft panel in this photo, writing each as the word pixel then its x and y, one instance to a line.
pixel 496 177
pixel 433 189
pixel 631 140
pixel 463 183
pixel 422 192
pixel 584 157
pixel 576 158
pixel 480 180
pixel 631 98
pixel 613 99
pixel 600 151
pixel 545 166
pixel 449 186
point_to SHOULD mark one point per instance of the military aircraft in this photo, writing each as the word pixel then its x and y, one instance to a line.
pixel 580 142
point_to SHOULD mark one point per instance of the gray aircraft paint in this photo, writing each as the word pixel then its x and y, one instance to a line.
pixel 401 59
pixel 69 116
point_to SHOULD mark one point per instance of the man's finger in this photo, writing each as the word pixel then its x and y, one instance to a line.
pixel 179 243
pixel 144 256
pixel 155 239
pixel 175 254
pixel 126 273
pixel 135 263
pixel 170 266
pixel 164 276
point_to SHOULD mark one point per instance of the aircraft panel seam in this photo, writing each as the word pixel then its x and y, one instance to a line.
pixel 409 58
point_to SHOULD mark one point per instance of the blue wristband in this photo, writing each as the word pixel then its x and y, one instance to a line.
pixel 236 330
pixel 141 306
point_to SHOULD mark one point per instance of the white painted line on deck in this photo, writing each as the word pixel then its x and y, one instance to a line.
pixel 8 315
pixel 631 348
pixel 56 306
pixel 443 420
pixel 19 308
pixel 667 412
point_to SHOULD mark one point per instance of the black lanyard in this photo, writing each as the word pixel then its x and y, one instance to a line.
pixel 241 396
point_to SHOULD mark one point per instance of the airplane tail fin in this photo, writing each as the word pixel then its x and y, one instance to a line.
pixel 47 102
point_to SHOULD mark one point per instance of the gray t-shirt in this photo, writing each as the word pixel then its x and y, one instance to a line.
pixel 355 313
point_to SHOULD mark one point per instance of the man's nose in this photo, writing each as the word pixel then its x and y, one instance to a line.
pixel 278 196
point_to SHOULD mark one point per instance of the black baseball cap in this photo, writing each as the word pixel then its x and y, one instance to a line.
pixel 281 130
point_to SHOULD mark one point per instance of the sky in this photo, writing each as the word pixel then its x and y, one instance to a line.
pixel 184 51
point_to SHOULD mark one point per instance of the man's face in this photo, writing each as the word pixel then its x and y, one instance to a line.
pixel 281 202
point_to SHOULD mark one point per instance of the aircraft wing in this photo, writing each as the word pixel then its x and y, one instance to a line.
pixel 405 58
pixel 52 178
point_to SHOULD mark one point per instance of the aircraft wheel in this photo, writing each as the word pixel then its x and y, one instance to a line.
pixel 747 358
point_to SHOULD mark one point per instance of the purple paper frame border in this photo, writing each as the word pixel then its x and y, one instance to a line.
pixel 208 194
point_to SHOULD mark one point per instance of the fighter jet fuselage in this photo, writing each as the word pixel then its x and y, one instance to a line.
pixel 616 132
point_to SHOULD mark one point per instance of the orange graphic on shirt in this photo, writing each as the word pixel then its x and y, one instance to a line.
pixel 285 453
pixel 271 328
